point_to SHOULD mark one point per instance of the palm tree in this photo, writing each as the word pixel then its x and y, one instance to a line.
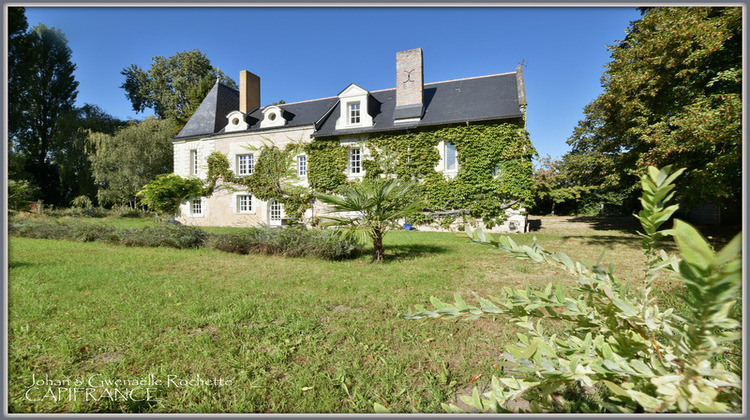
pixel 372 206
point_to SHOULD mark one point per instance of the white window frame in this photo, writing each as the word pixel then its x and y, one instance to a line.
pixel 196 203
pixel 358 161
pixel 272 221
pixel 250 164
pixel 302 165
pixel 240 198
pixel 354 113
pixel 193 161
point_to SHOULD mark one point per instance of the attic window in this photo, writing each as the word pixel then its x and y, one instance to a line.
pixel 273 116
pixel 235 121
pixel 354 113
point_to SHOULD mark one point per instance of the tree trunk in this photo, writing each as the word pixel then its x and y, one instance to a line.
pixel 377 245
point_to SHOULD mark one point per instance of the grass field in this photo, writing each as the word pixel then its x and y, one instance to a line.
pixel 293 335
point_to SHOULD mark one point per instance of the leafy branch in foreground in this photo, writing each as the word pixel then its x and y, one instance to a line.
pixel 649 358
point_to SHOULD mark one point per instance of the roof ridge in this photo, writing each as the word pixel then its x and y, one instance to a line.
pixel 299 102
pixel 454 80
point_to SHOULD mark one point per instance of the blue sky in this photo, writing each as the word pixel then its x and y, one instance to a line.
pixel 309 53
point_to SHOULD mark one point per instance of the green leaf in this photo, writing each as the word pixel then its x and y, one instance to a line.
pixel 460 304
pixel 380 409
pixel 729 251
pixel 641 367
pixel 694 249
pixel 624 306
pixel 648 402
pixel 560 293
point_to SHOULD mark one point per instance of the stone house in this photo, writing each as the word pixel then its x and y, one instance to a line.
pixel 234 123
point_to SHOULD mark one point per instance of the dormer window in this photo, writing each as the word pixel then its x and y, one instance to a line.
pixel 273 116
pixel 353 103
pixel 236 122
pixel 354 116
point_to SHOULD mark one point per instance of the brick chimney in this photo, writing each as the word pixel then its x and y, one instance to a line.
pixel 409 86
pixel 249 92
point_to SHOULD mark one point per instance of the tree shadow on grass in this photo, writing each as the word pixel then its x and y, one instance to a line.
pixel 411 251
pixel 626 224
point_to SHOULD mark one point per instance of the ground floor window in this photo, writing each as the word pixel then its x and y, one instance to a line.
pixel 275 213
pixel 245 203
pixel 196 207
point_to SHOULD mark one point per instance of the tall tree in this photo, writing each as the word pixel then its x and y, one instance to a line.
pixel 73 149
pixel 552 185
pixel 126 161
pixel 174 86
pixel 47 91
pixel 672 96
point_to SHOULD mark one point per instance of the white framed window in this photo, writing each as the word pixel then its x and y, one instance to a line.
pixel 301 165
pixel 451 157
pixel 193 162
pixel 244 203
pixel 245 164
pixel 354 113
pixel 275 213
pixel 496 171
pixel 355 160
pixel 196 207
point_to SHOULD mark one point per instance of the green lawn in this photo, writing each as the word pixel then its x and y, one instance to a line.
pixel 291 334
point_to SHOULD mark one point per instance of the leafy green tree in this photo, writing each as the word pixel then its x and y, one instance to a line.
pixel 20 194
pixel 44 73
pixel 165 193
pixel 552 185
pixel 672 95
pixel 126 161
pixel 174 87
pixel 648 358
pixel 372 206
pixel 73 149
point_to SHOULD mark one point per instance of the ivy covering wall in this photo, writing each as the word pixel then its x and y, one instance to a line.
pixel 494 170
pixel 478 190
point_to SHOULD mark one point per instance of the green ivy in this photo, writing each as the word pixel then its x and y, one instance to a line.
pixel 327 161
pixel 475 191
pixel 480 147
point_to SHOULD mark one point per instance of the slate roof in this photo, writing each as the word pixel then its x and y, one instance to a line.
pixel 477 99
pixel 211 115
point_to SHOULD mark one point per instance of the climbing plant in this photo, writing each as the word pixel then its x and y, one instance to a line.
pixel 328 160
pixel 274 177
pixel 494 170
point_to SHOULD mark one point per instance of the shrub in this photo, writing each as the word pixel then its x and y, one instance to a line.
pixel 646 358
pixel 57 229
pixel 170 236
pixel 290 241
pixel 20 194
pixel 81 202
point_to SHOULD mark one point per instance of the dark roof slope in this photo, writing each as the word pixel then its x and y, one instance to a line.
pixel 297 113
pixel 485 98
pixel 211 115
